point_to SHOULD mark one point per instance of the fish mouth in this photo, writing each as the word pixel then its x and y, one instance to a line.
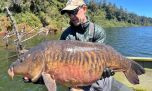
pixel 26 79
pixel 11 72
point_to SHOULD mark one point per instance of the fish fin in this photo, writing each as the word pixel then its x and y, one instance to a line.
pixel 132 76
pixel 49 82
pixel 11 73
pixel 137 68
pixel 133 71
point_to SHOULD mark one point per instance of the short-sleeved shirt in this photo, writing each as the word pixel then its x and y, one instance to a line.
pixel 83 33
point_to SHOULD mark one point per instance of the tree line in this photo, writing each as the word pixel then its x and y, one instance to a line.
pixel 41 13
pixel 112 12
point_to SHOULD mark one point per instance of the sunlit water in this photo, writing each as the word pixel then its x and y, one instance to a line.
pixel 131 41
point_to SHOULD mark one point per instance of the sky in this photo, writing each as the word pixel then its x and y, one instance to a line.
pixel 139 7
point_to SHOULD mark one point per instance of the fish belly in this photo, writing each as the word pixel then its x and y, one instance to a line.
pixel 75 75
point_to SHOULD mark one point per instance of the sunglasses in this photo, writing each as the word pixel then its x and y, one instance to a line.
pixel 73 12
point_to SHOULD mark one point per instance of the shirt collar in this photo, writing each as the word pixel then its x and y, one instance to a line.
pixel 82 27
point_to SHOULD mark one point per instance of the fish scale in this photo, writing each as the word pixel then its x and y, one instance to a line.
pixel 87 58
pixel 74 63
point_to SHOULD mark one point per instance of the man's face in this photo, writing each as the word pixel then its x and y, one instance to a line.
pixel 78 16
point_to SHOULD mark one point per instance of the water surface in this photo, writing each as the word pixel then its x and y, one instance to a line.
pixel 131 41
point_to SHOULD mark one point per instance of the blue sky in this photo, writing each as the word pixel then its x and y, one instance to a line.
pixel 139 7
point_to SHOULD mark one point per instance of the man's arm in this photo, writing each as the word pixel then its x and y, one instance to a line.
pixel 66 33
pixel 63 36
pixel 99 34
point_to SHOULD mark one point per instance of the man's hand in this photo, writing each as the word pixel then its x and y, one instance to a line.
pixel 107 72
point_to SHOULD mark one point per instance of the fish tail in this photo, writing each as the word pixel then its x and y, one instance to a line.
pixel 133 71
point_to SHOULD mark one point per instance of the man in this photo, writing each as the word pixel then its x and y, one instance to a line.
pixel 82 29
pixel 79 29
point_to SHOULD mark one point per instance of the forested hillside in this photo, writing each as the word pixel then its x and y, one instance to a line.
pixel 30 14
pixel 118 14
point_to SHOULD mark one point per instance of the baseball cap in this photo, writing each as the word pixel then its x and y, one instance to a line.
pixel 71 5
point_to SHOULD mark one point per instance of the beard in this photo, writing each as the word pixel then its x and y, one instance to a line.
pixel 76 22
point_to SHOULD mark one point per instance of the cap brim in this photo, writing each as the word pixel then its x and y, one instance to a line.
pixel 68 8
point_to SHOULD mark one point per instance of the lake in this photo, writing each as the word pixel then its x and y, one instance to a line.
pixel 130 41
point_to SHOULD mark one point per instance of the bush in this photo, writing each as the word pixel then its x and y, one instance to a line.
pixel 30 18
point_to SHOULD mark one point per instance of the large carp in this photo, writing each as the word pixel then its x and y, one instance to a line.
pixel 73 63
